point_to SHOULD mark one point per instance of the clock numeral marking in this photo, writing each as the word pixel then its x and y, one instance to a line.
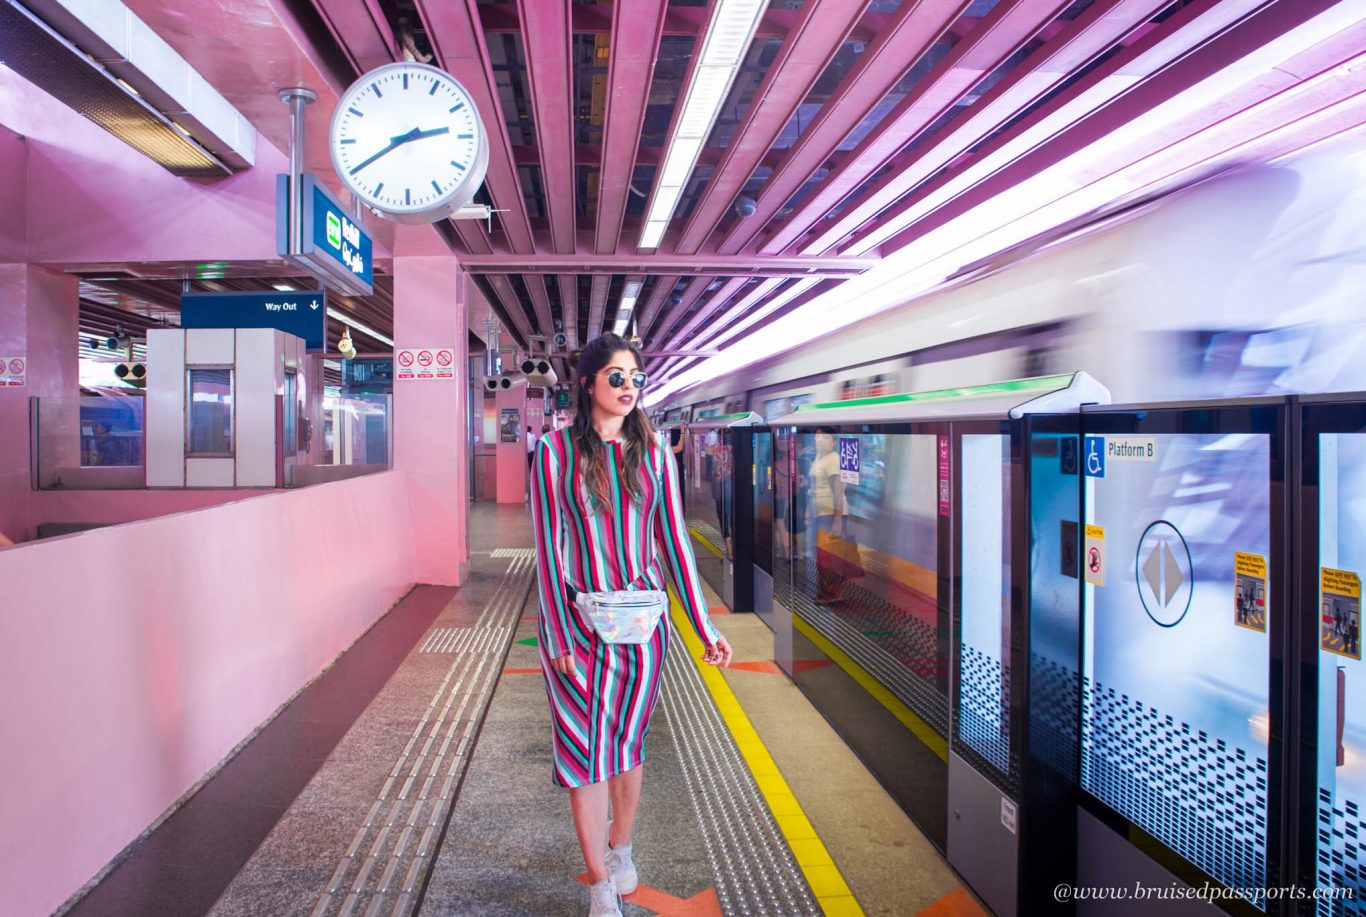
pixel 457 107
pixel 356 111
pixel 464 136
pixel 379 188
pixel 378 94
pixel 436 186
pixel 458 165
pixel 435 87
pixel 349 140
pixel 408 196
pixel 405 82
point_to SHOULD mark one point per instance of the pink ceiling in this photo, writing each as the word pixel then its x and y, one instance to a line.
pixel 855 127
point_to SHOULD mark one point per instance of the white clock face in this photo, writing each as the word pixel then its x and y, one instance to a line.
pixel 407 140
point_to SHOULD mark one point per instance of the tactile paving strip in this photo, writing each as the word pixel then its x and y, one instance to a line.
pixel 392 851
pixel 754 869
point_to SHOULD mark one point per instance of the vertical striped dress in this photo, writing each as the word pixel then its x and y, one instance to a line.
pixel 599 731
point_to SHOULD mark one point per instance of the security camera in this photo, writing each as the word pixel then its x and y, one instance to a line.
pixel 745 206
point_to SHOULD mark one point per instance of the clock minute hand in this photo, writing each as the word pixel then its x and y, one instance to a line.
pixel 396 142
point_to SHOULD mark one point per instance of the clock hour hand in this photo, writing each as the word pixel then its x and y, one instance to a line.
pixel 396 142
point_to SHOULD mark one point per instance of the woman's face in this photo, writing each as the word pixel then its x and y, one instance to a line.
pixel 615 401
pixel 825 443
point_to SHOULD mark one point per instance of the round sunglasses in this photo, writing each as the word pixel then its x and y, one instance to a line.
pixel 617 379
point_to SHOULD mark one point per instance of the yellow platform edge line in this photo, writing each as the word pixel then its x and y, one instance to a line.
pixel 706 543
pixel 895 706
pixel 827 883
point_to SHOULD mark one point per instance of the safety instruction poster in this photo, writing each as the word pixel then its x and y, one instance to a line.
pixel 424 363
pixel 1093 555
pixel 1340 624
pixel 510 425
pixel 13 371
pixel 1249 591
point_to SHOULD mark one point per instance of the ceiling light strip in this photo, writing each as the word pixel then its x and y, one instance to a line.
pixel 732 27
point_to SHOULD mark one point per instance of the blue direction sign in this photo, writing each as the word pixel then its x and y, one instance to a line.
pixel 333 246
pixel 302 312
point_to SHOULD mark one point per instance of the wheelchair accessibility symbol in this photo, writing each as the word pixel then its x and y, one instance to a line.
pixel 1095 456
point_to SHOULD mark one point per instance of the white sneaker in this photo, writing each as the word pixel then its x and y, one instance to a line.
pixel 623 869
pixel 603 902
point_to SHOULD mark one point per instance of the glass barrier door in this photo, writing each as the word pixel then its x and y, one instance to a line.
pixel 1181 557
pixel 761 474
pixel 1334 438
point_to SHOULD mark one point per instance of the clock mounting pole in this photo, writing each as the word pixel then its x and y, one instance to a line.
pixel 296 98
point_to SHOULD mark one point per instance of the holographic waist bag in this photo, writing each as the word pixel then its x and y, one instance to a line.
pixel 623 616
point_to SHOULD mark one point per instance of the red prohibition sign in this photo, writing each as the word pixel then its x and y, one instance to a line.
pixel 425 358
pixel 1093 559
pixel 405 358
pixel 443 357
pixel 16 367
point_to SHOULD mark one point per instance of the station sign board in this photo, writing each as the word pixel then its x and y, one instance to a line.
pixel 333 245
pixel 302 313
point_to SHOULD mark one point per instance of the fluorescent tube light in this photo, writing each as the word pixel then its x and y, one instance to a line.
pixel 732 27
pixel 283 287
pixel 363 329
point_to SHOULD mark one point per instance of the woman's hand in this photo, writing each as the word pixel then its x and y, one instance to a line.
pixel 718 653
pixel 566 665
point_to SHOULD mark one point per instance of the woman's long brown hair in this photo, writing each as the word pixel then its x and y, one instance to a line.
pixel 636 429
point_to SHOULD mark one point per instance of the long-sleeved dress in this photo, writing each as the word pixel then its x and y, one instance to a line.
pixel 599 730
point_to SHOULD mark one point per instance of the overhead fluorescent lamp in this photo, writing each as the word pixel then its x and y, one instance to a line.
pixel 283 287
pixel 363 329
pixel 628 305
pixel 732 27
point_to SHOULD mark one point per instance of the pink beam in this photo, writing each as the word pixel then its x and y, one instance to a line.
pixel 569 305
pixel 1104 97
pixel 662 288
pixel 540 300
pixel 457 40
pixel 636 29
pixel 551 80
pixel 1227 46
pixel 598 19
pixel 362 31
pixel 719 303
pixel 669 317
pixel 813 42
pixel 1098 28
pixel 759 266
pixel 917 26
pixel 512 305
pixel 597 304
pixel 713 305
pixel 1008 28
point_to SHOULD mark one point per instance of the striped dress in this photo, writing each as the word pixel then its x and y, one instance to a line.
pixel 599 731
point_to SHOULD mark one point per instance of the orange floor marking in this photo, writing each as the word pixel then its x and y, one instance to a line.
pixel 702 904
pixel 521 671
pixel 957 903
pixel 763 666
pixel 528 618
pixel 718 610
pixel 806 665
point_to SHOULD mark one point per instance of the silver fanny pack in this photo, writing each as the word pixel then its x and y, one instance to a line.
pixel 623 616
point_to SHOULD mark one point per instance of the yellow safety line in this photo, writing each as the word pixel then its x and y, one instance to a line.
pixel 895 706
pixel 706 543
pixel 827 884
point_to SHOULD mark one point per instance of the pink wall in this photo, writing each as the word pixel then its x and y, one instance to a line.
pixel 133 659
pixel 92 198
pixel 13 196
pixel 512 471
pixel 430 438
pixel 39 322
pixel 113 507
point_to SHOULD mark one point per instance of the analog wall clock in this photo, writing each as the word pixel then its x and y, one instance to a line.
pixel 407 140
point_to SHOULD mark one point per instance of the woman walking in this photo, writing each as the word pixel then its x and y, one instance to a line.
pixel 608 518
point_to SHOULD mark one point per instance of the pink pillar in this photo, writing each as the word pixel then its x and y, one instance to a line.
pixel 39 314
pixel 430 441
pixel 512 470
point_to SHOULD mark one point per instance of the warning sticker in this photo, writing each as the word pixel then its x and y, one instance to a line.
pixel 1249 591
pixel 13 371
pixel 1093 555
pixel 1340 623
pixel 424 363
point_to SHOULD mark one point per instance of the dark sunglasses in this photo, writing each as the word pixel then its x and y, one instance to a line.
pixel 617 379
